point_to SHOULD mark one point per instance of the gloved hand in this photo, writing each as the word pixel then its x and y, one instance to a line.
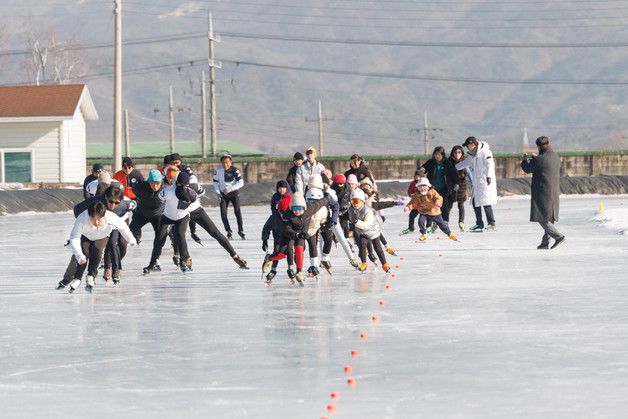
pixel 456 187
pixel 327 225
pixel 302 235
pixel 488 180
pixel 399 202
pixel 406 209
pixel 228 188
pixel 265 245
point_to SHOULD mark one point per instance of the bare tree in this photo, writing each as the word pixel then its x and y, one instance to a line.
pixel 51 61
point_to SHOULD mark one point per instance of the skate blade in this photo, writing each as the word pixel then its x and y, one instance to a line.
pixel 245 267
pixel 89 289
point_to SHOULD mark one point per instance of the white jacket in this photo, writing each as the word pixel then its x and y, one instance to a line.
pixel 304 172
pixel 483 166
pixel 92 187
pixel 365 222
pixel 171 204
pixel 227 181
pixel 84 227
pixel 201 191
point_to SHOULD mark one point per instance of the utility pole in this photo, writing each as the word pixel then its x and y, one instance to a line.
pixel 320 120
pixel 127 138
pixel 426 133
pixel 203 117
pixel 213 64
pixel 171 120
pixel 117 89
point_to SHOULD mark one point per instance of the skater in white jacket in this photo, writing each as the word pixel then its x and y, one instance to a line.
pixel 480 160
pixel 88 239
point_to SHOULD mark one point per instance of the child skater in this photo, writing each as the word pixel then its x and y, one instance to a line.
pixel 367 229
pixel 428 202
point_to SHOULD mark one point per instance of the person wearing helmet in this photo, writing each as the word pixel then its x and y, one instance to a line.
pixel 315 193
pixel 280 203
pixel 428 202
pixel 310 167
pixel 367 229
pixel 227 182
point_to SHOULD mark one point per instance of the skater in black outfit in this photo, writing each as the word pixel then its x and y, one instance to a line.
pixel 227 182
pixel 176 160
pixel 149 205
pixel 275 225
pixel 297 161
pixel 96 170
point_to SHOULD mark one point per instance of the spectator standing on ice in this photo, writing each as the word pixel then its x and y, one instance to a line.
pixel 297 161
pixel 310 167
pixel 461 195
pixel 545 169
pixel 227 184
pixel 360 170
pixel 484 195
pixel 443 177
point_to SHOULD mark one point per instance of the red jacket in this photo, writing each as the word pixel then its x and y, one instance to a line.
pixel 412 188
pixel 129 181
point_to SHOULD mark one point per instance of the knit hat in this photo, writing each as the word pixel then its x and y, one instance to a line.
pixel 311 150
pixel 154 176
pixel 315 181
pixel 358 194
pixel 183 178
pixel 340 178
pixel 281 183
pixel 97 167
pixel 352 179
pixel 297 202
pixel 541 141
pixel 424 182
pixel 297 156
pixel 104 177
pixel 284 204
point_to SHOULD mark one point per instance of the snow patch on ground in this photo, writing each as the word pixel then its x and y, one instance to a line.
pixel 615 219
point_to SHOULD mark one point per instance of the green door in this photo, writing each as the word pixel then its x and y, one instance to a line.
pixel 17 166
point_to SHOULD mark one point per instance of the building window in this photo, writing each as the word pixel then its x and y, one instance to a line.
pixel 17 166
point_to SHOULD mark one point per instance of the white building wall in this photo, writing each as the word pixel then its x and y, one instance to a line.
pixel 43 139
pixel 75 158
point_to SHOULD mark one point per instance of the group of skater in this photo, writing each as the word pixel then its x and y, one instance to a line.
pixel 312 206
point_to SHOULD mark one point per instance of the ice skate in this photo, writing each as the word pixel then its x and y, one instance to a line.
pixel 229 235
pixel 313 271
pixel 196 238
pixel 107 274
pixel 270 276
pixel 291 275
pixel 406 231
pixel 543 246
pixel 490 227
pixel 477 228
pixel 175 260
pixel 60 286
pixel 150 268
pixel 299 278
pixel 354 263
pixel 386 267
pixel 453 237
pixel 74 285
pixel 422 237
pixel 242 235
pixel 327 266
pixel 89 284
pixel 461 226
pixel 266 264
pixel 391 251
pixel 186 265
pixel 362 267
pixel 241 262
pixel 116 278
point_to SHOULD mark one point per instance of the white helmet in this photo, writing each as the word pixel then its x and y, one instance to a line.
pixel 424 182
pixel 314 194
pixel 315 181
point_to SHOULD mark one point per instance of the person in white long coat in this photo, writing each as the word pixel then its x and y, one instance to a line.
pixel 484 195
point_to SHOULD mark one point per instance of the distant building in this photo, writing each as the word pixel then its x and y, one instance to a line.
pixel 42 132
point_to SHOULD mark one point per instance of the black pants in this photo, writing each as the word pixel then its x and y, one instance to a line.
pixel 438 219
pixel 140 221
pixel 344 222
pixel 328 240
pixel 93 250
pixel 200 217
pixel 180 227
pixel 288 250
pixel 447 204
pixel 411 218
pixel 488 210
pixel 377 246
pixel 234 199
pixel 450 205
pixel 312 244
pixel 115 251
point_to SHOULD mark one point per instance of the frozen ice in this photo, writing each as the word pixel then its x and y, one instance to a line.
pixel 488 327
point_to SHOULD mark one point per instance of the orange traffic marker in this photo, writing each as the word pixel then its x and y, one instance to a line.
pixel 364 335
pixel 348 369
pixel 355 353
pixel 397 266
pixel 387 287
pixel 334 395
pixel 393 275
pixel 331 408
pixel 351 381
pixel 374 318
pixel 401 258
pixel 381 302
pixel 440 254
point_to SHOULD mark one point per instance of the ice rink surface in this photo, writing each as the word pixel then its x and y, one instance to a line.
pixel 488 327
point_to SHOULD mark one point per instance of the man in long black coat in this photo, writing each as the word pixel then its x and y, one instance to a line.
pixel 545 169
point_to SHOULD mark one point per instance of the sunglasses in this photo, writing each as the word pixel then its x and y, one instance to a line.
pixel 114 202
pixel 356 201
